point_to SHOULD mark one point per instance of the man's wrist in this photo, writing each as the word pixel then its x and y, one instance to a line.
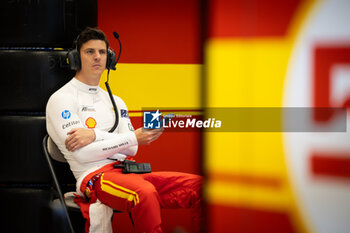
pixel 96 135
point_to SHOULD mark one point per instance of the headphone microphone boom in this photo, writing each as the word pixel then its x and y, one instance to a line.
pixel 116 35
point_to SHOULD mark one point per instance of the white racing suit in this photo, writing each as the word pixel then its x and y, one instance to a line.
pixel 77 105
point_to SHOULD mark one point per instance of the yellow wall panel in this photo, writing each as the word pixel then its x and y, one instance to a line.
pixel 156 85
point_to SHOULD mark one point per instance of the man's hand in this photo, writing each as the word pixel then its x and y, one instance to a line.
pixel 78 138
pixel 145 137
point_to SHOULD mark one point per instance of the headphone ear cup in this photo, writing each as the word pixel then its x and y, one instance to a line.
pixel 111 58
pixel 74 59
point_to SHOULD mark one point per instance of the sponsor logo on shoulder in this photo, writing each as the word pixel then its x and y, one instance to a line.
pixel 66 114
pixel 124 113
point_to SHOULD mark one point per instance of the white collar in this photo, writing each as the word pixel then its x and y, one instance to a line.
pixel 84 87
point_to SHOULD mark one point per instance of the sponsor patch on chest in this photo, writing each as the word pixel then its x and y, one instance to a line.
pixel 69 124
pixel 91 123
pixel 88 109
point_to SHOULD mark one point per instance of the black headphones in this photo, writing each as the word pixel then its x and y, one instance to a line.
pixel 74 62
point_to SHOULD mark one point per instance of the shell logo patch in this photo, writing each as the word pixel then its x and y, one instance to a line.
pixel 90 123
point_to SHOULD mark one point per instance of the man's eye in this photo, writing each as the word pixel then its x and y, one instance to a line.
pixel 103 52
pixel 89 51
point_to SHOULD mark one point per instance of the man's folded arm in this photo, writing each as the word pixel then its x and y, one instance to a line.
pixel 103 149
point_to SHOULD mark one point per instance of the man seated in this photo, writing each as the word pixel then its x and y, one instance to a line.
pixel 79 116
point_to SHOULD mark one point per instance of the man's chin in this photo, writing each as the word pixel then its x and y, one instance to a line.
pixel 97 71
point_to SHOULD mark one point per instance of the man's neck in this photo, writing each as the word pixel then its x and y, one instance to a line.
pixel 92 80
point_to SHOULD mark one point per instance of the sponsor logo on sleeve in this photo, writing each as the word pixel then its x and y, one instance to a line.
pixel 66 114
pixel 131 128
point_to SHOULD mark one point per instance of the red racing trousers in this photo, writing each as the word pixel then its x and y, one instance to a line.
pixel 144 194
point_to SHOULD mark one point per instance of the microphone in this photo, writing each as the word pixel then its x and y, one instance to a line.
pixel 116 35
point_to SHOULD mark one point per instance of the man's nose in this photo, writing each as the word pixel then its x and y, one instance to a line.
pixel 97 56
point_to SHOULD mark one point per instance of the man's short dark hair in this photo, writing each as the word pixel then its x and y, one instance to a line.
pixel 91 34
